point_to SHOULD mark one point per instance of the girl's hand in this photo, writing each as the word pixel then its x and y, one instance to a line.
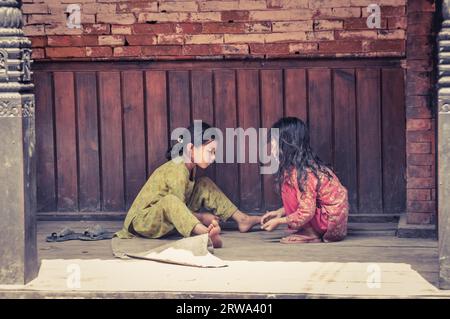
pixel 271 215
pixel 272 224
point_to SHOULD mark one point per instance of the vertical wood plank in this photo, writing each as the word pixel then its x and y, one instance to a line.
pixel 249 117
pixel 66 153
pixel 226 117
pixel 157 130
pixel 394 152
pixel 179 100
pixel 110 113
pixel 320 113
pixel 134 133
pixel 296 94
pixel 89 170
pixel 345 161
pixel 203 106
pixel 370 180
pixel 45 143
pixel 271 111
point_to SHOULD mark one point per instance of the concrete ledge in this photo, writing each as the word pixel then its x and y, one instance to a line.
pixel 406 230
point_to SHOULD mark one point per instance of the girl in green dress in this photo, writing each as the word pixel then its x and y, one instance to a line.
pixel 172 197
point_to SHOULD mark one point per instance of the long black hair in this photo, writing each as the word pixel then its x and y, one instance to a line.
pixel 192 135
pixel 295 152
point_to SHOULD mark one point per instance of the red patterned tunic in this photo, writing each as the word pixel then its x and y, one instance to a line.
pixel 325 209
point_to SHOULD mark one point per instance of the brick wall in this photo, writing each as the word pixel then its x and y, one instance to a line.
pixel 229 28
pixel 420 115
pixel 118 29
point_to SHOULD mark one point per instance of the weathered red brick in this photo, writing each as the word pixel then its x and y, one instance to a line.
pixel 420 182
pixel 292 26
pixel 305 47
pixel 189 28
pixel 420 159
pixel 418 124
pixel 33 30
pixel 35 8
pixel 129 51
pixel 264 48
pixel 421 6
pixel 420 65
pixel 224 27
pixel 419 218
pixel 65 52
pixel 420 23
pixel 384 45
pixel 202 49
pixel 418 82
pixel 413 100
pixel 397 23
pixel 38 41
pixel 170 39
pixel 137 7
pixel 122 18
pixel 140 40
pixel 356 35
pixel 111 40
pixel 328 25
pixel 93 28
pixel 419 148
pixel 157 28
pixel 178 6
pixel 38 53
pixel 234 16
pixel 420 136
pixel 74 40
pixel 258 27
pixel 340 46
pixel 204 39
pixel 421 206
pixel 121 29
pixel 419 194
pixel 419 171
pixel 59 40
pixel 162 50
pixel 99 52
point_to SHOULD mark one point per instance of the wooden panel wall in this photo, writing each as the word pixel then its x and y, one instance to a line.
pixel 102 128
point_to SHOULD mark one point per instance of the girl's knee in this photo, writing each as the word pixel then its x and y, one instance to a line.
pixel 170 199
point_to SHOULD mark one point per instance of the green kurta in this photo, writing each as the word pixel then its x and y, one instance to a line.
pixel 167 200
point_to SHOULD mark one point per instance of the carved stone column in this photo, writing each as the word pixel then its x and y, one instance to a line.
pixel 444 149
pixel 18 256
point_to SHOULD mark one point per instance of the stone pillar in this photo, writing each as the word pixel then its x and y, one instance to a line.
pixel 444 149
pixel 18 253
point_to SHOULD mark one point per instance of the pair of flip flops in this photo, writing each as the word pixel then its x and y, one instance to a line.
pixel 96 232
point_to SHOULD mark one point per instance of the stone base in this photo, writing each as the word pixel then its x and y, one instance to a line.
pixel 406 230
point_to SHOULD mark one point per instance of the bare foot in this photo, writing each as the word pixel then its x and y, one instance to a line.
pixel 214 235
pixel 308 232
pixel 206 218
pixel 246 222
pixel 300 239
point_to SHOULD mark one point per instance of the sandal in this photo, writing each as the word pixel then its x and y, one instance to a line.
pixel 96 232
pixel 63 235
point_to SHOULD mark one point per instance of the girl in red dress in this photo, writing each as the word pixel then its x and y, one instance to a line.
pixel 315 203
